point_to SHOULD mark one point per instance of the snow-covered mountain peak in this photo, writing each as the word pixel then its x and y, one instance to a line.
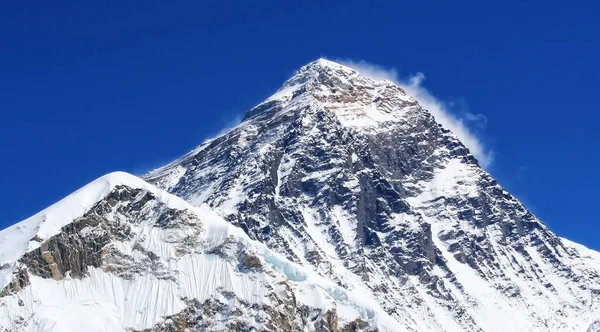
pixel 321 67
pixel 310 75
pixel 324 63
pixel 332 74
pixel 338 204
pixel 327 85
pixel 353 178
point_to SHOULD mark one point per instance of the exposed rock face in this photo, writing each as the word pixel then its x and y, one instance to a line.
pixel 89 240
pixel 216 315
pixel 351 177
pixel 19 280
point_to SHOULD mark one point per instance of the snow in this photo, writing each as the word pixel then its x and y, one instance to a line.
pixel 489 312
pixel 317 233
pixel 591 256
pixel 17 239
pixel 454 179
pixel 346 224
pixel 103 301
pixel 285 92
pixel 486 303
pixel 203 275
pixel 285 167
pixel 92 316
pixel 172 177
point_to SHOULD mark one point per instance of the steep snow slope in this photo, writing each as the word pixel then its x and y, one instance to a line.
pixel 352 178
pixel 122 254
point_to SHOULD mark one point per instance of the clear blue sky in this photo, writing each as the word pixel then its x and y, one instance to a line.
pixel 90 87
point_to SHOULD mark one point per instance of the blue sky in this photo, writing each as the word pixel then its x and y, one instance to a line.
pixel 90 87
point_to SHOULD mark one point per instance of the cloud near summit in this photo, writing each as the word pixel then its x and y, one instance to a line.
pixel 413 85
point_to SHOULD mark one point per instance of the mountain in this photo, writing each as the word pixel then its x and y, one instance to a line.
pixel 121 253
pixel 337 204
pixel 351 177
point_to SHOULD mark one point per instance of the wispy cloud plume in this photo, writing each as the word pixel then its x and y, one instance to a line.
pixel 231 122
pixel 463 124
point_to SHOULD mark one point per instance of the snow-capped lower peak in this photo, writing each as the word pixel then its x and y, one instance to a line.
pixel 148 254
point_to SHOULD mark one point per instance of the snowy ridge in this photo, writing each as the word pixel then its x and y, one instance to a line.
pixel 115 301
pixel 49 221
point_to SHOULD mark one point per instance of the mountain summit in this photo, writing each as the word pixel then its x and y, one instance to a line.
pixel 337 204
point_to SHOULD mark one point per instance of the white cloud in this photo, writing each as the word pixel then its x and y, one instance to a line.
pixel 413 85
pixel 478 120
